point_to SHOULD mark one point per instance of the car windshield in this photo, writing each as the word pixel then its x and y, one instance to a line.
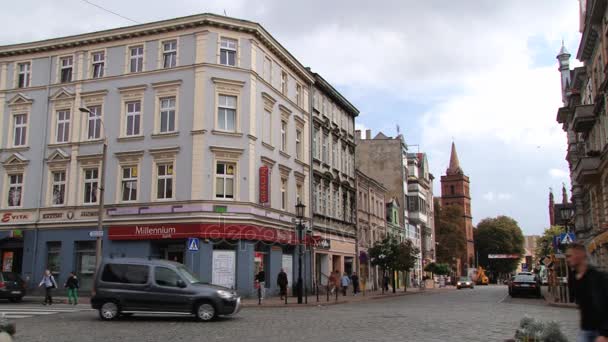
pixel 186 274
pixel 464 279
pixel 525 278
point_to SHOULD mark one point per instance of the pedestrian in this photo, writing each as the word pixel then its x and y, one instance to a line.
pixel 590 287
pixel 386 281
pixel 331 283
pixel 49 284
pixel 355 280
pixel 72 285
pixel 261 278
pixel 282 283
pixel 345 281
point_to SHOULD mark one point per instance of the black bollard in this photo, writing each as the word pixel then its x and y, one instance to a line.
pixel 260 295
pixel 317 290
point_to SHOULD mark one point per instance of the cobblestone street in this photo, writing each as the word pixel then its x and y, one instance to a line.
pixel 482 314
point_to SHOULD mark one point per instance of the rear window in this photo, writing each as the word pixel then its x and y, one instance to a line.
pixel 125 273
pixel 10 276
pixel 525 278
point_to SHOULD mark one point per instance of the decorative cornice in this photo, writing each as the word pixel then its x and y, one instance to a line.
pixel 94 93
pixel 129 154
pixel 163 84
pixel 225 81
pixel 134 88
pixel 162 151
pixel 222 149
pixel 285 170
pixel 268 161
pixel 284 109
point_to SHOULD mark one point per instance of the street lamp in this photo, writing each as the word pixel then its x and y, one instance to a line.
pixel 300 229
pixel 101 187
pixel 566 213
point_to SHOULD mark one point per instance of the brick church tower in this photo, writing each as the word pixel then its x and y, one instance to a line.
pixel 455 191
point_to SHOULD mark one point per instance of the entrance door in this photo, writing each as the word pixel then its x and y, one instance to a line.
pixel 348 265
pixel 322 268
pixel 224 268
pixel 287 265
pixel 85 263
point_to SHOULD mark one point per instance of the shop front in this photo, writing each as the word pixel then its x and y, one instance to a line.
pixel 333 253
pixel 11 250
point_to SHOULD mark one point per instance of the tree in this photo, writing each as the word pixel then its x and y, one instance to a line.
pixel 500 235
pixel 450 236
pixel 391 256
pixel 439 269
pixel 407 254
pixel 544 245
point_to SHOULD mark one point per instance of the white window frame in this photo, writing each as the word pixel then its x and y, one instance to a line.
pixel 284 128
pixel 299 94
pixel 58 183
pixel 27 74
pixel 170 110
pixel 101 63
pixel 168 55
pixel 226 107
pixel 168 176
pixel 63 118
pixel 299 143
pixel 133 115
pixel 94 184
pixel 132 178
pixel 65 66
pixel 325 148
pixel 284 194
pixel 267 127
pixel 139 59
pixel 267 69
pixel 20 185
pixel 94 121
pixel 227 49
pixel 225 177
pixel 299 192
pixel 23 127
pixel 284 82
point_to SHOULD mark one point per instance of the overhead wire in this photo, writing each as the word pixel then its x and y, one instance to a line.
pixel 110 11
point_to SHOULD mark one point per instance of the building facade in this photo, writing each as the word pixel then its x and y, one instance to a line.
pixel 333 182
pixel 583 118
pixel 207 120
pixel 455 190
pixel 372 217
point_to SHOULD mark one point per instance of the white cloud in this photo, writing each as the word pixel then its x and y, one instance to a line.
pixel 504 196
pixel 488 196
pixel 558 173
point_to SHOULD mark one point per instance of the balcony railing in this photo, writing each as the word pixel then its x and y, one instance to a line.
pixel 584 119
pixel 587 170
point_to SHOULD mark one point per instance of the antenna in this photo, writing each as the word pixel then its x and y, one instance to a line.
pixel 225 15
pixel 398 130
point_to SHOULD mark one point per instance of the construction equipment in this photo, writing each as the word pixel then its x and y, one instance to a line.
pixel 482 278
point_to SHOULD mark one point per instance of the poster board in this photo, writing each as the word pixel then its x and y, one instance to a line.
pixel 287 265
pixel 224 268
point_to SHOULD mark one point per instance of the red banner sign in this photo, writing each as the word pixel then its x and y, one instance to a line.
pixel 206 231
pixel 264 184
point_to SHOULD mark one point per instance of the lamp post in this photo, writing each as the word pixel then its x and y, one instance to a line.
pixel 566 213
pixel 300 231
pixel 101 187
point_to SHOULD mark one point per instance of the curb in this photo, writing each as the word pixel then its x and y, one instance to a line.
pixel 559 305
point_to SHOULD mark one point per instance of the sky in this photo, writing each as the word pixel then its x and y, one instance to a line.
pixel 481 73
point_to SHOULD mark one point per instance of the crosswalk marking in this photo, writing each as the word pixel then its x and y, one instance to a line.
pixel 26 311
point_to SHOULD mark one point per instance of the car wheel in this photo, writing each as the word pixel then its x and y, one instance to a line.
pixel 109 311
pixel 205 311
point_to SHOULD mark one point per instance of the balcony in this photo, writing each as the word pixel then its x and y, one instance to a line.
pixel 587 170
pixel 584 119
pixel 417 217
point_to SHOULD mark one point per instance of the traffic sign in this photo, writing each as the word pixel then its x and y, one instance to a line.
pixel 193 244
pixel 567 238
pixel 96 233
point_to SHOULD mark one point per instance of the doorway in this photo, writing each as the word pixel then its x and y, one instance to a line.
pixel 173 252
pixel 11 255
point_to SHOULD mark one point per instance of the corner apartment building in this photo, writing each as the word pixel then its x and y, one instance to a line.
pixel 333 182
pixel 584 119
pixel 208 122
pixel 420 204
pixel 371 225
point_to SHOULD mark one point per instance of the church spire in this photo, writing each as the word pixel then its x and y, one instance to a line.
pixel 454 167
pixel 551 208
pixel 564 194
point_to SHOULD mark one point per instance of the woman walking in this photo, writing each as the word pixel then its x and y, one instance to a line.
pixel 49 284
pixel 72 285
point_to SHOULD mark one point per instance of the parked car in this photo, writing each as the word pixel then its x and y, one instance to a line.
pixel 12 287
pixel 524 284
pixel 465 282
pixel 127 286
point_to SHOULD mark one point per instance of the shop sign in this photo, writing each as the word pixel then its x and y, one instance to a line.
pixel 96 233
pixel 323 244
pixel 264 179
pixel 504 256
pixel 16 233
pixel 221 209
pixel 14 217
pixel 89 214
pixel 52 216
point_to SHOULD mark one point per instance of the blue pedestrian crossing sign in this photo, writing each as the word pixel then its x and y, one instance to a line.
pixel 567 238
pixel 193 244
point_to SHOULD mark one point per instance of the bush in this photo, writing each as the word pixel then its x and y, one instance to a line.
pixel 531 330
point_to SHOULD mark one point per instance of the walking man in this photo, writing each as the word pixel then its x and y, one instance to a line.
pixel 282 283
pixel 261 278
pixel 355 279
pixel 345 282
pixel 49 284
pixel 591 293
pixel 72 285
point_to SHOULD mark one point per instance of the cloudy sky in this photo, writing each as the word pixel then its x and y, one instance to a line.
pixel 480 72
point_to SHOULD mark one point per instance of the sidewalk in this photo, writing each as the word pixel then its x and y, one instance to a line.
pixel 551 301
pixel 276 302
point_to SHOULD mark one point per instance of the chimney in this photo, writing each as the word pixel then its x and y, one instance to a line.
pixel 358 134
pixel 368 134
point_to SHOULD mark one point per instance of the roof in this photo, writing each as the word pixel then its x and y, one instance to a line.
pixel 454 168
pixel 321 83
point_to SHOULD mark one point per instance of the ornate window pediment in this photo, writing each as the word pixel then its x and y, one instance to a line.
pixel 15 161
pixel 19 100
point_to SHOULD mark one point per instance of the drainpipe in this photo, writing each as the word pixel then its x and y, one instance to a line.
pixel 41 191
pixel 310 181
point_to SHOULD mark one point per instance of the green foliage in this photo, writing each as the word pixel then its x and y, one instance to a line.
pixel 389 254
pixel 500 235
pixel 407 253
pixel 439 269
pixel 450 236
pixel 534 330
pixel 544 245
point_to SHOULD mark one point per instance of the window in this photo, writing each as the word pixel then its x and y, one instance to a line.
pixel 315 142
pixel 19 129
pixel 283 135
pixel 344 160
pixel 299 149
pixel 316 199
pixel 15 189
pixel 224 180
pixel 226 113
pixel 94 123
pixel 228 51
pixel 58 187
pixel 91 181
pixel 267 128
pixel 166 277
pixel 66 69
pixel 63 126
pixel 124 273
pixel 334 153
pixel 24 77
pixel 299 193
pixel 299 94
pixel 283 82
pixel 164 182
pixel 322 196
pixel 169 54
pixel 167 115
pixel 136 59
pixel 325 154
pixel 283 193
pixel 53 256
pixel 129 183
pixel 133 118
pixel 451 190
pixel 267 70
pixel 98 61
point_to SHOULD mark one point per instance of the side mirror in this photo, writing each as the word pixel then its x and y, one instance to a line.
pixel 181 284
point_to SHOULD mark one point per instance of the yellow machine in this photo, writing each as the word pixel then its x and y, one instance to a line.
pixel 482 278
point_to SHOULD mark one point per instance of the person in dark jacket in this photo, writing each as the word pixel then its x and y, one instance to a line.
pixel 354 278
pixel 72 285
pixel 591 295
pixel 282 283
pixel 261 278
